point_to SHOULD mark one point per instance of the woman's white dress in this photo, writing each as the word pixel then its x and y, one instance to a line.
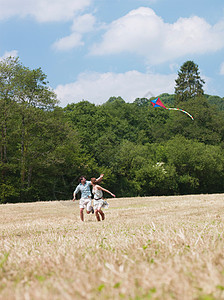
pixel 98 201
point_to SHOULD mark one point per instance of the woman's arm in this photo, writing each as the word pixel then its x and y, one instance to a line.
pixel 99 179
pixel 102 189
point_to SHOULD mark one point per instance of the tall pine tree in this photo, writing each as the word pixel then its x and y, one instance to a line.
pixel 189 83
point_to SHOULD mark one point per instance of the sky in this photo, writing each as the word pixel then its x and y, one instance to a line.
pixel 96 49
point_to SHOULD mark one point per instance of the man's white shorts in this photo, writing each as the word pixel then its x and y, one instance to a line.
pixel 86 203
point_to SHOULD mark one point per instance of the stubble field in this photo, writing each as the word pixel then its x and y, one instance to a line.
pixel 146 248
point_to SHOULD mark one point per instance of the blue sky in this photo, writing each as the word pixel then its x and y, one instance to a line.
pixel 94 49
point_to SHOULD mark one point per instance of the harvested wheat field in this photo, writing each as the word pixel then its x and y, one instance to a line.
pixel 146 248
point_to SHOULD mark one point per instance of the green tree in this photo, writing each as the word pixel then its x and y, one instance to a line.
pixel 24 99
pixel 116 99
pixel 8 121
pixel 199 167
pixel 217 101
pixel 56 158
pixel 189 83
pixel 32 91
pixel 144 102
pixel 207 127
pixel 8 69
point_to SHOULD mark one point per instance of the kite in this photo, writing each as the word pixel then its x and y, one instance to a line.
pixel 158 103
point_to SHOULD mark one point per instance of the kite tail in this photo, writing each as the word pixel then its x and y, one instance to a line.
pixel 182 111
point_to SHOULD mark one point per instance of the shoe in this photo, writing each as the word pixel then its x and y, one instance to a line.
pixel 92 210
pixel 105 204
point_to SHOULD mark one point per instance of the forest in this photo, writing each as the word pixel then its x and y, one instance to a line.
pixel 142 150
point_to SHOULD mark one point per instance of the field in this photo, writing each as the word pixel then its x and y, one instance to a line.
pixel 146 248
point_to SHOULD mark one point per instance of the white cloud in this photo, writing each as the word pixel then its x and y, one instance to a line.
pixel 66 43
pixel 222 69
pixel 84 23
pixel 99 87
pixel 42 10
pixel 142 32
pixel 81 24
pixel 12 53
pixel 174 67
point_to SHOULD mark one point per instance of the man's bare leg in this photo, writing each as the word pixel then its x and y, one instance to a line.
pixel 90 211
pixel 81 214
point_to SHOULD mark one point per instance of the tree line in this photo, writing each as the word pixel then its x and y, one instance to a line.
pixel 141 150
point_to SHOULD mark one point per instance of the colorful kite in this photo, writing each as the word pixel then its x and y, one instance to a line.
pixel 158 103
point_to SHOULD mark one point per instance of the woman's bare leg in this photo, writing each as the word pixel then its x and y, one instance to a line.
pixel 97 215
pixel 102 214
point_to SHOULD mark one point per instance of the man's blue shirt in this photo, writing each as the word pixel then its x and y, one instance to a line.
pixel 84 189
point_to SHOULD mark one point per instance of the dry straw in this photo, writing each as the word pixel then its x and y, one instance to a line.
pixel 147 248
